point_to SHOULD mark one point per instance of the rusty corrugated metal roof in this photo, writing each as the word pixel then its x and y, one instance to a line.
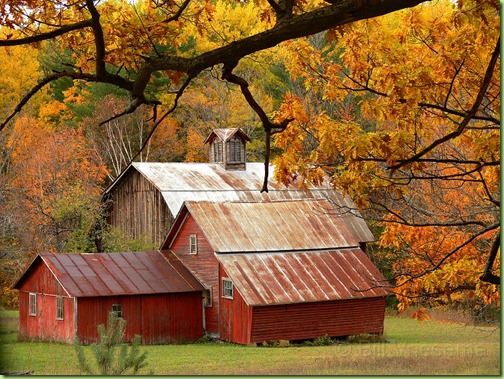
pixel 271 226
pixel 179 182
pixel 89 275
pixel 296 277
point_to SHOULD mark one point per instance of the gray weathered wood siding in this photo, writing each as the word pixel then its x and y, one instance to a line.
pixel 139 210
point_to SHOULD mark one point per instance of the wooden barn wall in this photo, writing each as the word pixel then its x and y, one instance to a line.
pixel 159 319
pixel 204 266
pixel 139 210
pixel 44 324
pixel 235 317
pixel 312 320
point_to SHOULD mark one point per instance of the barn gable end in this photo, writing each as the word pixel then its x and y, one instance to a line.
pixel 40 295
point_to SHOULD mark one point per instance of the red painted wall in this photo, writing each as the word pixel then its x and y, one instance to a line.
pixel 235 317
pixel 44 324
pixel 312 320
pixel 159 319
pixel 243 324
pixel 204 266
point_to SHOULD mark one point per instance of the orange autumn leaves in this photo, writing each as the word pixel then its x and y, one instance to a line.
pixel 56 180
pixel 382 91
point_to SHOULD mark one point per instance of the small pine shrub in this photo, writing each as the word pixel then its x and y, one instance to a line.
pixel 112 356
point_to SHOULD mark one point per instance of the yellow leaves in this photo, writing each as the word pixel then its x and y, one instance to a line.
pixel 231 21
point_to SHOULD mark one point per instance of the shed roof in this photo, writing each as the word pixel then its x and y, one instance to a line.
pixel 273 226
pixel 285 278
pixel 179 182
pixel 90 275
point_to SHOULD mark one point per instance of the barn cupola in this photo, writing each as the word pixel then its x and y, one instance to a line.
pixel 227 147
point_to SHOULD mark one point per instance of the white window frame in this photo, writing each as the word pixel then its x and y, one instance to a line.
pixel 60 308
pixel 227 288
pixel 117 309
pixel 193 244
pixel 32 304
pixel 208 297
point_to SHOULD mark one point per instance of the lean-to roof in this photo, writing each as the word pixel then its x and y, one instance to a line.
pixel 296 277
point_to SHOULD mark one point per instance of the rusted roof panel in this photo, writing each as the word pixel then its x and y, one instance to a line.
pixel 226 134
pixel 89 275
pixel 296 277
pixel 271 226
pixel 179 182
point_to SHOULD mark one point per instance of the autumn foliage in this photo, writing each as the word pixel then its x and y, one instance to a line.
pixel 404 117
pixel 401 112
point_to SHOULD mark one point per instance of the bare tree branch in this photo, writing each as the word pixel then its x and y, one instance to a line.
pixel 46 36
pixel 269 126
pixel 488 275
pixel 98 39
pixel 468 117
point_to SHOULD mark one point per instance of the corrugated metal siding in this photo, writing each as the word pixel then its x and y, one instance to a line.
pixel 312 320
pixel 284 278
pixel 179 182
pixel 88 275
pixel 273 226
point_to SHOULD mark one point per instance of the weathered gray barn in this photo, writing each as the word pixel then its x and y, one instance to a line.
pixel 146 198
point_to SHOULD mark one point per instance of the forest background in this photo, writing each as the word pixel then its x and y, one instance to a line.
pixel 401 112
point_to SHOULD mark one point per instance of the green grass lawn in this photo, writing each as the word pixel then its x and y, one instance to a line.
pixel 411 348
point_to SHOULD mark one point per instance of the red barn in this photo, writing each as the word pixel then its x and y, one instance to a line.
pixel 62 296
pixel 278 270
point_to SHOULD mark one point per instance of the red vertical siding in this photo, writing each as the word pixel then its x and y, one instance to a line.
pixel 162 318
pixel 204 266
pixel 235 317
pixel 44 324
pixel 311 320
pixel 172 319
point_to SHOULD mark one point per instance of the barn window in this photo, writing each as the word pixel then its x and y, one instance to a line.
pixel 235 150
pixel 32 304
pixel 227 288
pixel 207 297
pixel 59 308
pixel 218 151
pixel 193 244
pixel 117 309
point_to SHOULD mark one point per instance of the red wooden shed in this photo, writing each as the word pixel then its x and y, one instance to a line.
pixel 279 270
pixel 66 295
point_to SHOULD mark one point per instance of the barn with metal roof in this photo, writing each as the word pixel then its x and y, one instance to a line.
pixel 278 270
pixel 63 296
pixel 147 196
pixel 235 263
